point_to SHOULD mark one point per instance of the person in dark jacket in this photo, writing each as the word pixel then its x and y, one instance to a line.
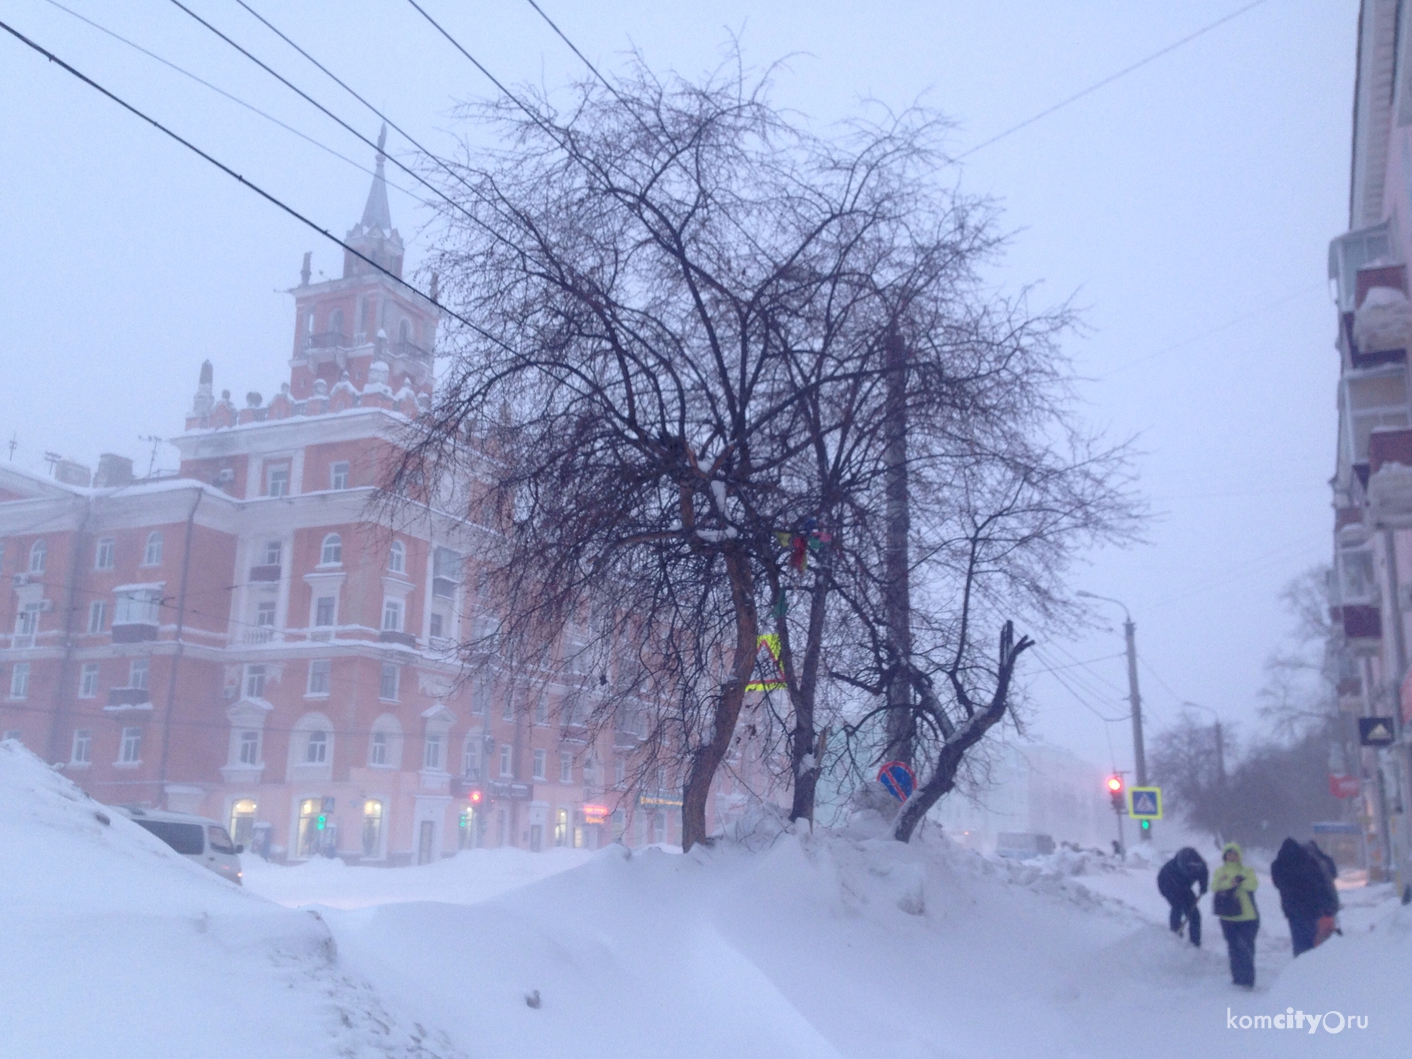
pixel 1307 893
pixel 1174 881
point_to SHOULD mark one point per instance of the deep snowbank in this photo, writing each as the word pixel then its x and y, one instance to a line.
pixel 116 946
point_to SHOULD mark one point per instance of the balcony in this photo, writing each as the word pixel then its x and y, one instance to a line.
pixel 134 632
pixel 265 573
pixel 329 340
pixel 1362 626
pixel 118 697
pixel 406 639
pixel 408 351
pixel 261 634
pixel 443 587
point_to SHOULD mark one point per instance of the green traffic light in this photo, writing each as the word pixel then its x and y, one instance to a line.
pixel 321 821
pixel 1146 824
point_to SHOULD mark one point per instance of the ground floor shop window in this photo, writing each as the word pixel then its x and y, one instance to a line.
pixel 242 821
pixel 561 827
pixel 310 811
pixel 372 828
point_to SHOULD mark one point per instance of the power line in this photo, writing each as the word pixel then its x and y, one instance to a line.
pixel 1109 79
pixel 249 184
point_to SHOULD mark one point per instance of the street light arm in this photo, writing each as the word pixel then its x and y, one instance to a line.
pixel 1107 599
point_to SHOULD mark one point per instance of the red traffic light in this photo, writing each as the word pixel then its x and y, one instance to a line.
pixel 1115 784
pixel 475 796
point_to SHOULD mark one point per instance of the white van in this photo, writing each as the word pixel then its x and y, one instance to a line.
pixel 194 837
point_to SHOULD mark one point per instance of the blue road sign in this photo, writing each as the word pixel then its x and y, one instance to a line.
pixel 898 779
pixel 1145 803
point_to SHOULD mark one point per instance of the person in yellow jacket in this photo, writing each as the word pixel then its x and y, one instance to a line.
pixel 1233 901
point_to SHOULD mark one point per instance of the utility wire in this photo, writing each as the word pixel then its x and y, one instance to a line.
pixel 1109 79
pixel 252 186
pixel 233 98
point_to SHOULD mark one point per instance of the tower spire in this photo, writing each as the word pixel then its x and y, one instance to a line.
pixel 376 213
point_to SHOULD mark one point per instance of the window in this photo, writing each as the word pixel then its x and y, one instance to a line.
pixel 507 711
pixel 338 475
pixel 218 840
pixel 27 623
pixel 19 681
pixel 97 615
pixel 316 749
pixel 82 752
pixel 265 614
pixel 254 682
pixel 377 754
pixel 103 554
pixel 277 479
pixel 470 765
pixel 130 749
pixel 541 710
pixel 620 771
pixel 392 615
pixel 323 610
pixel 137 606
pixel 249 748
pixel 539 765
pixel 387 686
pixel 446 572
pixel 152 553
pixel 431 754
pixel 335 322
pixel 434 626
pixel 659 828
pixel 311 826
pixel 88 681
pixel 273 553
pixel 561 827
pixel 397 558
pixel 372 827
pixel 37 551
pixel 404 332
pixel 566 767
pixel 620 824
pixel 242 820
pixel 319 676
pixel 332 552
pixel 137 673
pixel 507 759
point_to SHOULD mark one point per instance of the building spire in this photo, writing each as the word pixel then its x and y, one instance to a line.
pixel 376 213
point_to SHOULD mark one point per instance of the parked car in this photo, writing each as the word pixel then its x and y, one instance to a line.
pixel 1022 845
pixel 194 837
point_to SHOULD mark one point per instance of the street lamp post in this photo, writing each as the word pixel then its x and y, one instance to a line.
pixel 1134 698
pixel 1220 764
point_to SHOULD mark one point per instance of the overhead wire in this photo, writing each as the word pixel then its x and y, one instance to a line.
pixel 290 210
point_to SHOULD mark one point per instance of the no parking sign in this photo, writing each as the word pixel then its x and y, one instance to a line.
pixel 898 779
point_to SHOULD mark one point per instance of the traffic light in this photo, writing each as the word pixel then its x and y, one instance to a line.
pixel 1115 792
pixel 1146 824
pixel 321 821
pixel 475 796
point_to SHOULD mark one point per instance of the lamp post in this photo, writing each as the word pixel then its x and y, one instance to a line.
pixel 1134 698
pixel 1220 765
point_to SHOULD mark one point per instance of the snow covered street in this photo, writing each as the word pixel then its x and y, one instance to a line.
pixel 784 945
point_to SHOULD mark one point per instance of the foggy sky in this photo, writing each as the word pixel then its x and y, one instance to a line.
pixel 1187 208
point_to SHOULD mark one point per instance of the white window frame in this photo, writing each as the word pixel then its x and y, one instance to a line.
pixel 315 749
pixel 277 477
pixel 253 681
pixel 137 606
pixel 507 760
pixel 540 764
pixel 248 747
pixel 338 475
pixel 397 558
pixel 97 616
pixel 38 552
pixel 377 750
pixel 331 550
pixel 274 553
pixel 392 614
pixel 432 749
pixel 88 681
pixel 152 550
pixel 319 602
pixel 391 675
pixel 81 749
pixel 139 673
pixel 19 681
pixel 320 678
pixel 130 747
pixel 104 554
pixel 566 767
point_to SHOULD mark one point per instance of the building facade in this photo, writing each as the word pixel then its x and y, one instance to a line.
pixel 257 640
pixel 1372 483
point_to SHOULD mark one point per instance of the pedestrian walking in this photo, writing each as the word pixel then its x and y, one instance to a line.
pixel 1233 901
pixel 1175 882
pixel 1307 894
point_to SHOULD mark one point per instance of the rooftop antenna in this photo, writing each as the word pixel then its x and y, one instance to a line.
pixel 152 460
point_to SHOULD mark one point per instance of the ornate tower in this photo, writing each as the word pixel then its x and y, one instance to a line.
pixel 356 324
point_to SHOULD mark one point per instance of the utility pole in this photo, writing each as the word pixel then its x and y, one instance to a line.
pixel 1134 697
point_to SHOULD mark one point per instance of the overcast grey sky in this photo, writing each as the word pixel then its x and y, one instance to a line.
pixel 1187 206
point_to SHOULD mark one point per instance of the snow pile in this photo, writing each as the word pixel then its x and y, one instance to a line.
pixel 116 946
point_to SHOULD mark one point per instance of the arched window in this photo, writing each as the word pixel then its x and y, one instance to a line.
pixel 37 551
pixel 335 322
pixel 152 554
pixel 397 558
pixel 385 746
pixel 316 749
pixel 404 331
pixel 332 552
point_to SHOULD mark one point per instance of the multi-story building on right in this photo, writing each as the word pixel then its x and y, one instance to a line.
pixel 1372 485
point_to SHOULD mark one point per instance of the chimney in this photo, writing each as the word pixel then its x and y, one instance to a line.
pixel 113 470
pixel 71 473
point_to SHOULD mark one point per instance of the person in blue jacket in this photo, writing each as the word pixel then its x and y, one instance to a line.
pixel 1175 882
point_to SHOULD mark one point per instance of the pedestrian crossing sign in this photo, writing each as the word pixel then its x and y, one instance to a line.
pixel 1145 803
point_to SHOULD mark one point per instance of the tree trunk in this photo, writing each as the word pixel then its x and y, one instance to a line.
pixel 707 758
pixel 897 599
pixel 804 740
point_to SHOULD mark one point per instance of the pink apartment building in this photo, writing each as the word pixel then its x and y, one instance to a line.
pixel 255 641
